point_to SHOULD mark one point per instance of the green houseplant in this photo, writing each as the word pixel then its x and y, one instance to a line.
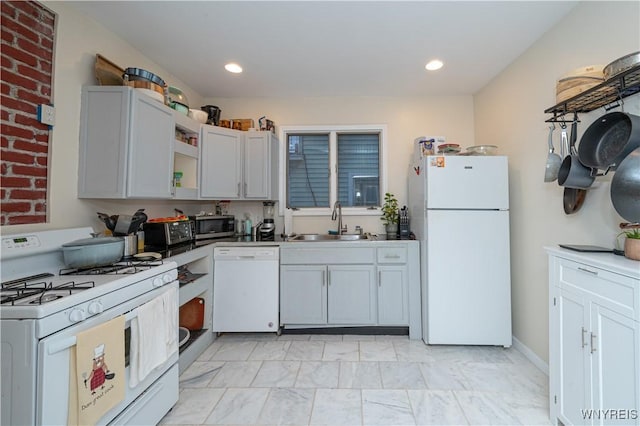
pixel 390 214
pixel 631 243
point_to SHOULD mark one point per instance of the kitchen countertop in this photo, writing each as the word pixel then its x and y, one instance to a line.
pixel 241 240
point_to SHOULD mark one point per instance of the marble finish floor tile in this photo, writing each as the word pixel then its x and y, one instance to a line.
pixel 358 338
pixel 305 351
pixel 436 407
pixel 287 406
pixel 412 351
pixel 276 374
pixel 341 351
pixel 308 379
pixel 326 337
pixel 486 408
pixel 239 406
pixel 444 376
pixel 386 407
pixel 236 374
pixel 194 406
pixel 377 351
pixel 401 375
pixel 199 374
pixel 270 350
pixel 337 407
pixel 360 375
pixel 234 350
pixel 318 374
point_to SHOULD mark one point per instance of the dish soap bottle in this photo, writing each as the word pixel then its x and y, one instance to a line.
pixel 247 224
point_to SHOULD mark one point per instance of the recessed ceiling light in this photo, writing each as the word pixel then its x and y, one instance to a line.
pixel 234 68
pixel 434 65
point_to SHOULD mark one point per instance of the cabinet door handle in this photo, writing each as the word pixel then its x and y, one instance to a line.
pixel 588 271
pixel 329 278
pixel 323 279
pixel 245 189
pixel 584 331
pixel 593 343
pixel 379 278
pixel 238 193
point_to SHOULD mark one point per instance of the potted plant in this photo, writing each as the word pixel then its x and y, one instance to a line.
pixel 631 243
pixel 390 215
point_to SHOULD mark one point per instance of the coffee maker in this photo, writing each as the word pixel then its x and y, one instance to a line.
pixel 213 114
pixel 267 229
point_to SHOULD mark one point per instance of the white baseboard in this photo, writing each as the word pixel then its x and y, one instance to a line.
pixel 531 356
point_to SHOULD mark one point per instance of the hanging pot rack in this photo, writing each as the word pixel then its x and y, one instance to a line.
pixel 608 95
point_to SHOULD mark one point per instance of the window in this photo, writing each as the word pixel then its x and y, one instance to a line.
pixel 341 163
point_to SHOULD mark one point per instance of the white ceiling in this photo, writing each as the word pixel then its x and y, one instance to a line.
pixel 330 48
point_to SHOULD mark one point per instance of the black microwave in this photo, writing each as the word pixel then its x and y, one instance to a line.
pixel 203 227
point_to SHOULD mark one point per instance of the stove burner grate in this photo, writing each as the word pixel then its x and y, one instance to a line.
pixel 16 292
pixel 122 267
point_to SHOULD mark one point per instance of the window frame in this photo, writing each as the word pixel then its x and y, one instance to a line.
pixel 332 131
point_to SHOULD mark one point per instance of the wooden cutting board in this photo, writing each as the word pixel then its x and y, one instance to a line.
pixel 192 314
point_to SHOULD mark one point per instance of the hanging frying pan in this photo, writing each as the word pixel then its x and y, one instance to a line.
pixel 608 140
pixel 625 188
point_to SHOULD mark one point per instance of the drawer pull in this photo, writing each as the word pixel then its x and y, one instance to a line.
pixel 584 331
pixel 391 256
pixel 588 271
pixel 593 343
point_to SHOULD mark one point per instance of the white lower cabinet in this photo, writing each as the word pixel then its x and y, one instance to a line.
pixel 594 348
pixel 333 294
pixel 347 286
pixel 393 298
pixel 303 294
pixel 351 295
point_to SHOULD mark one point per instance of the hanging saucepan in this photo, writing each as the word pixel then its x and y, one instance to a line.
pixel 625 187
pixel 573 198
pixel 608 140
pixel 572 173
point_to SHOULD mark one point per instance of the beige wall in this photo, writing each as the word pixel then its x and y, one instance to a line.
pixel 510 113
pixel 406 119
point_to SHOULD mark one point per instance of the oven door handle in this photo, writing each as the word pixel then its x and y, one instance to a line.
pixel 71 341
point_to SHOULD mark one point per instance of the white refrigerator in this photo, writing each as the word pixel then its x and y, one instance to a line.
pixel 459 211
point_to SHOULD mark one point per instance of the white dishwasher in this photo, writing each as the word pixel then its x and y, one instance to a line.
pixel 246 289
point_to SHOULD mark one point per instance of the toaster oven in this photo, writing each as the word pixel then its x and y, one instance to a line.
pixel 167 233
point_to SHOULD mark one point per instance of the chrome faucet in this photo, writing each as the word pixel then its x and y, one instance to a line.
pixel 337 214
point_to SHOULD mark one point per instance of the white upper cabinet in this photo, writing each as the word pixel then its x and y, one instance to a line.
pixel 238 165
pixel 125 145
pixel 221 163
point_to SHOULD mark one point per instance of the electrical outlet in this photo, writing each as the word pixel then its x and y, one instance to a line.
pixel 47 114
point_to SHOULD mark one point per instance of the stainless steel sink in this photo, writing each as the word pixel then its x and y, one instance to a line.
pixel 328 237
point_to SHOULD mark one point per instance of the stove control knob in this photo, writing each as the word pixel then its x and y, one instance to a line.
pixel 95 308
pixel 166 278
pixel 77 315
pixel 157 282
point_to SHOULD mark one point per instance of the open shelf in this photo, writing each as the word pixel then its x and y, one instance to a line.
pixel 606 94
pixel 193 336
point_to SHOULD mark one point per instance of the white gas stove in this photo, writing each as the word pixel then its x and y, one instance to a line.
pixel 43 305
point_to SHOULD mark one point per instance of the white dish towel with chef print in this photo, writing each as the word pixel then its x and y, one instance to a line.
pixel 154 335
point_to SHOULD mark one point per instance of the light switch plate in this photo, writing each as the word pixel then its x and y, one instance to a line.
pixel 47 114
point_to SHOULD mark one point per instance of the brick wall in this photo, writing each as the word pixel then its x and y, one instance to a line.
pixel 27 47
